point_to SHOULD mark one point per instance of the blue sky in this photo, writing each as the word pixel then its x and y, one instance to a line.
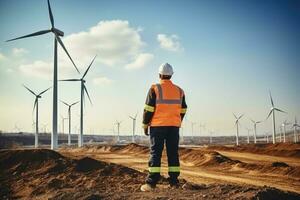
pixel 226 55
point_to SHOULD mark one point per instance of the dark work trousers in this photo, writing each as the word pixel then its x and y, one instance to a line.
pixel 159 136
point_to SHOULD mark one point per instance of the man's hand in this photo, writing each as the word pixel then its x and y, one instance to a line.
pixel 145 127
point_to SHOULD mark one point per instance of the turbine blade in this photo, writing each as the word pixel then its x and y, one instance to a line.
pixel 234 115
pixel 50 15
pixel 74 79
pixel 135 115
pixel 259 122
pixel 280 110
pixel 241 116
pixel 87 94
pixel 64 103
pixel 45 91
pixel 31 35
pixel 64 48
pixel 74 103
pixel 271 99
pixel 29 90
pixel 88 68
pixel 269 114
pixel 35 102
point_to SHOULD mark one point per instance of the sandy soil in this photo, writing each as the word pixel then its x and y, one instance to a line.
pixel 203 165
pixel 116 172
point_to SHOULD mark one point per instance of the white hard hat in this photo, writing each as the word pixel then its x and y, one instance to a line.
pixel 166 69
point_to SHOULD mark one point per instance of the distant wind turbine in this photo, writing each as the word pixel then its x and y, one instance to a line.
pixel 133 127
pixel 267 136
pixel 83 89
pixel 193 124
pixel 118 123
pixel 272 111
pixel 248 135
pixel 283 125
pixel 69 116
pixel 57 34
pixel 36 108
pixel 237 127
pixel 255 133
pixel 295 126
pixel 63 123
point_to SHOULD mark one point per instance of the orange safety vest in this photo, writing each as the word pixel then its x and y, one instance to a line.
pixel 168 104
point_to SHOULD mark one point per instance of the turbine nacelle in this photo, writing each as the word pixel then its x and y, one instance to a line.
pixel 57 32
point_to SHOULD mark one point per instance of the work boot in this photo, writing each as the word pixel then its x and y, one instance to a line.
pixel 173 183
pixel 147 187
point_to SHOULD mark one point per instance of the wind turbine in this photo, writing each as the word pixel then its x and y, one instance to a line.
pixel 272 111
pixel 255 124
pixel 284 124
pixel 248 135
pixel 133 127
pixel 63 123
pixel 193 124
pixel 267 136
pixel 36 106
pixel 45 127
pixel 83 89
pixel 69 114
pixel 118 123
pixel 295 126
pixel 57 34
pixel 237 127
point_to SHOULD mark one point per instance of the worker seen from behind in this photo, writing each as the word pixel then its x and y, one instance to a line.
pixel 163 113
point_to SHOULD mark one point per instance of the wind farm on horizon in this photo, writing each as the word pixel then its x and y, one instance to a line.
pixel 203 130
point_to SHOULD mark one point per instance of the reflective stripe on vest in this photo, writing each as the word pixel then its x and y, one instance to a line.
pixel 160 99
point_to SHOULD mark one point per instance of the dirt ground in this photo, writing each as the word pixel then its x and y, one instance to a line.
pixel 116 172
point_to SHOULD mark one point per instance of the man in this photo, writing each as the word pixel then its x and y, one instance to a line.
pixel 164 110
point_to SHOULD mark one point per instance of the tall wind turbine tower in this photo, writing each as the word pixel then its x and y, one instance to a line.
pixel 295 126
pixel 82 91
pixel 237 127
pixel 248 135
pixel 272 111
pixel 133 127
pixel 63 123
pixel 69 116
pixel 283 125
pixel 255 125
pixel 118 123
pixel 57 34
pixel 36 108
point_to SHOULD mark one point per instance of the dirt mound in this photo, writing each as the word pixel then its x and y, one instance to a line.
pixel 133 148
pixel 88 164
pixel 279 149
pixel 27 159
pixel 106 181
pixel 205 158
pixel 273 193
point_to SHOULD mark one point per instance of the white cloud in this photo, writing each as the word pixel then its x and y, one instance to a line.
pixel 102 81
pixel 38 69
pixel 142 60
pixel 19 51
pixel 2 57
pixel 115 43
pixel 170 43
pixel 9 70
